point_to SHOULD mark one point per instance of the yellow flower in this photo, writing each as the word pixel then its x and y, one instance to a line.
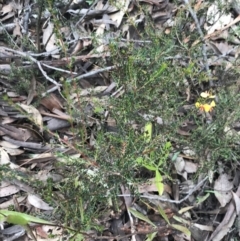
pixel 207 94
pixel 197 104
pixel 205 107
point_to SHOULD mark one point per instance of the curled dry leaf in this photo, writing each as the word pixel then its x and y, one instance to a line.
pixel 49 39
pixel 118 16
pixel 179 164
pixel 223 188
pixel 35 115
pixel 5 159
pixel 38 202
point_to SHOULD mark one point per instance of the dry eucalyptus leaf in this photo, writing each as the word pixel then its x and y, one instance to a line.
pixel 49 39
pixel 13 152
pixel 204 227
pixel 4 157
pixel 217 19
pixel 52 101
pixel 35 115
pixel 38 202
pixel 17 30
pixel 225 229
pixel 118 16
pixel 6 9
pixel 8 189
pixel 190 167
pixel 223 188
pixel 7 144
pixel 179 164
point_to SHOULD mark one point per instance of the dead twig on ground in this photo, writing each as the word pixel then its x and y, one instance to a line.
pixel 214 34
pixel 84 15
pixel 94 72
pixel 204 51
pixel 25 55
pixel 149 196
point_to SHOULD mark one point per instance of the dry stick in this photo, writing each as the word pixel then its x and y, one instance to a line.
pixel 155 197
pixel 135 41
pixel 50 90
pixel 80 20
pixel 34 61
pixel 88 56
pixel 91 73
pixel 60 70
pixel 214 34
pixel 204 51
pixel 66 7
pixel 46 54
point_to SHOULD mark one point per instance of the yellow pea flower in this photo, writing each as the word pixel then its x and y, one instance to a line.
pixel 205 107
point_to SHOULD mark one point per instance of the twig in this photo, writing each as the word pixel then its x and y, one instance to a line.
pixel 46 54
pixel 66 7
pixel 84 15
pixel 88 56
pixel 204 51
pixel 60 70
pixel 51 90
pixel 214 34
pixel 149 196
pixel 135 41
pixel 34 61
pixel 45 74
pixel 94 72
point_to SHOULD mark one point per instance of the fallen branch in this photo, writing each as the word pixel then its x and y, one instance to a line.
pixel 94 72
pixel 34 61
pixel 155 197
pixel 88 56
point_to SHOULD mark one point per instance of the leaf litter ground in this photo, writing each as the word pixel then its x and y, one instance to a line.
pixel 119 120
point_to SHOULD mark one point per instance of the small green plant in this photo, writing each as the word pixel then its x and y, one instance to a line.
pixel 22 219
pixel 149 161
